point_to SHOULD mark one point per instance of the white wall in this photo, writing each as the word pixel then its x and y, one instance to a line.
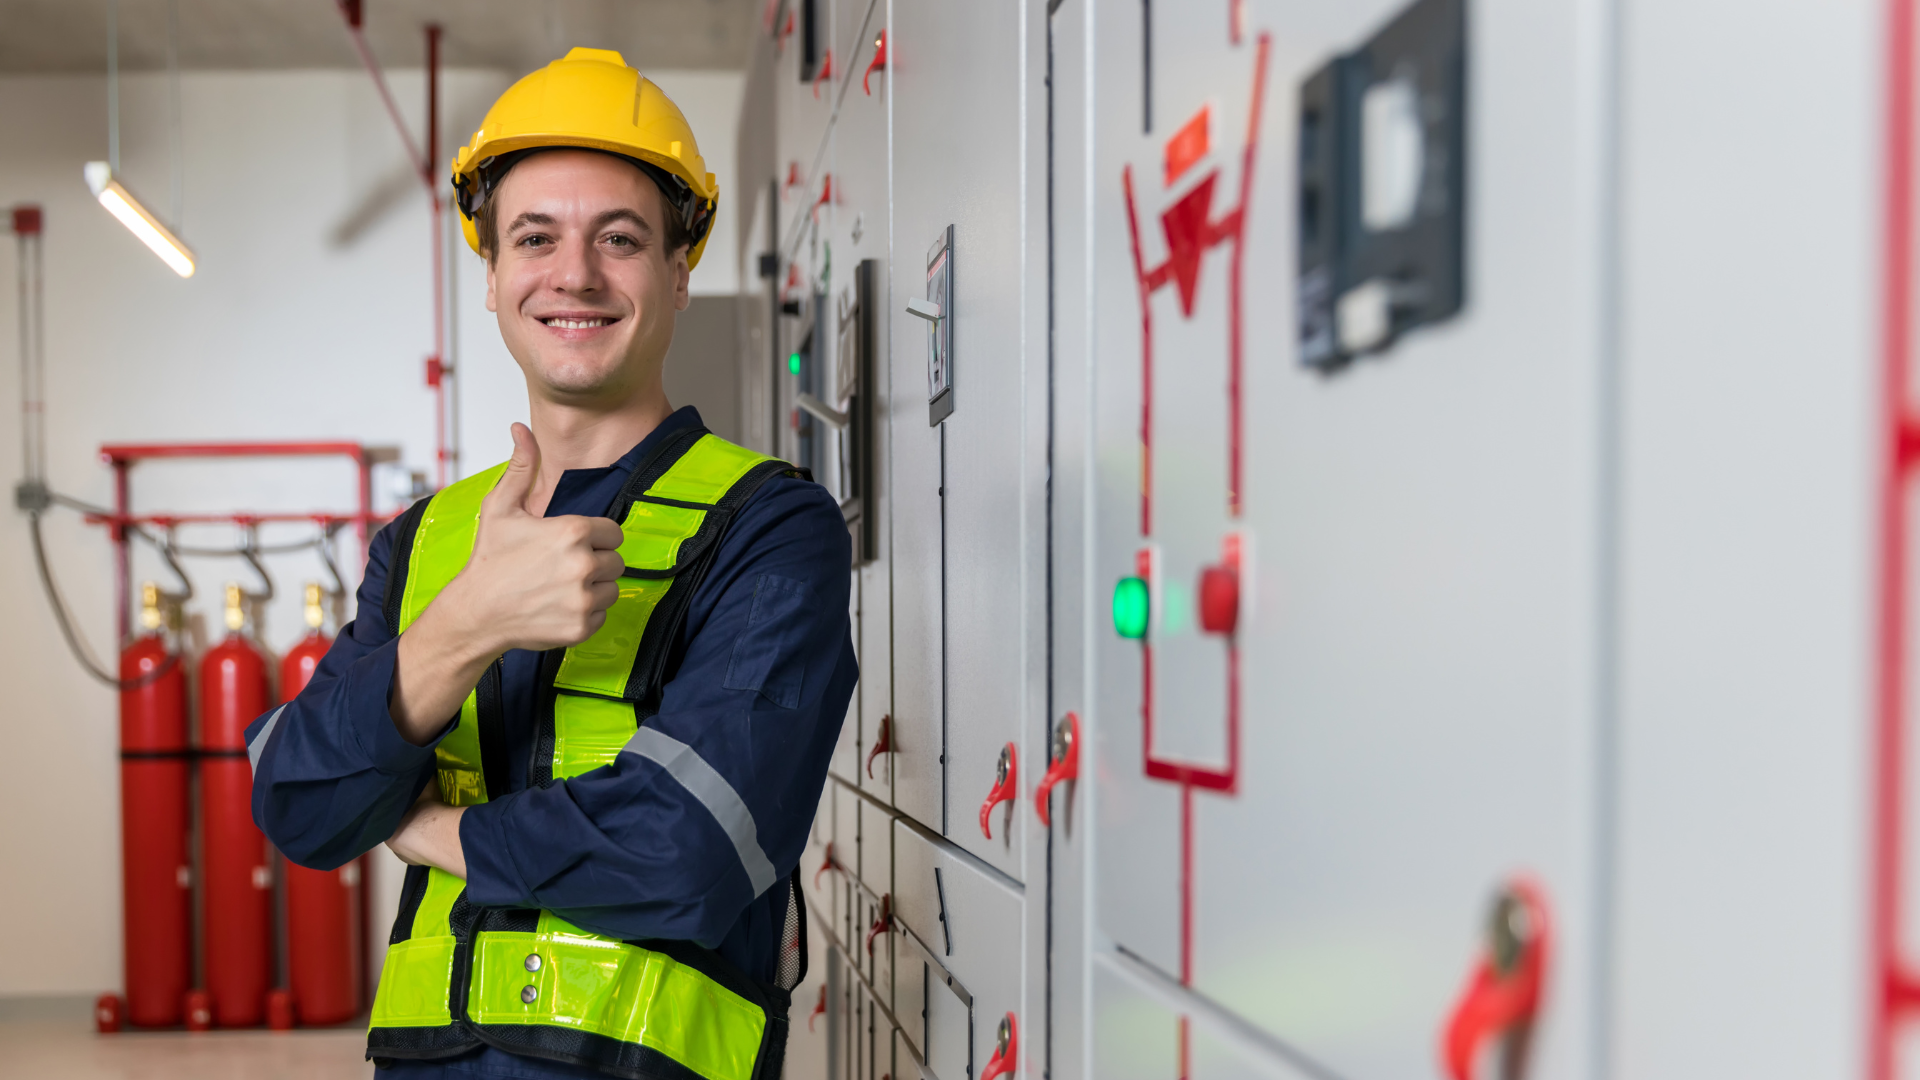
pixel 308 318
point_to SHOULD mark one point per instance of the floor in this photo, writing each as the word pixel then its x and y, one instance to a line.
pixel 54 1039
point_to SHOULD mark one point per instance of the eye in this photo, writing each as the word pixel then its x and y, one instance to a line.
pixel 532 240
pixel 622 241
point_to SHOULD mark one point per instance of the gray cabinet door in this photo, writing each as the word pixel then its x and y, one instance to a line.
pixel 1303 811
pixel 969 490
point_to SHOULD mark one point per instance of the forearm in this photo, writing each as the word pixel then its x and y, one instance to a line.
pixel 430 835
pixel 441 658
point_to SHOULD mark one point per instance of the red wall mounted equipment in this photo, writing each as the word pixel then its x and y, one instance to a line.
pixel 155 832
pixel 323 906
pixel 238 947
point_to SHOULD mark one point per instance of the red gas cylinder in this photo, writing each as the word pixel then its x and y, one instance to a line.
pixel 324 950
pixel 155 830
pixel 238 950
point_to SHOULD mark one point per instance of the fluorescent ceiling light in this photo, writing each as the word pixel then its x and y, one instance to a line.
pixel 121 204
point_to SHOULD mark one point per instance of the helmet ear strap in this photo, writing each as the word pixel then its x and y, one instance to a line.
pixel 471 190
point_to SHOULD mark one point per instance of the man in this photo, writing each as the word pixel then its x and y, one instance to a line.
pixel 591 694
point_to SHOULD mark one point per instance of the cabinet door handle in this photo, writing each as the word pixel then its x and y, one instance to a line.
pixel 1503 990
pixel 819 1007
pixel 878 63
pixel 882 744
pixel 826 72
pixel 1004 788
pixel 1006 1051
pixel 825 866
pixel 926 309
pixel 1066 763
pixel 881 923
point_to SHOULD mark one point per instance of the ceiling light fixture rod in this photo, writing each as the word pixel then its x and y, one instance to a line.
pixel 113 86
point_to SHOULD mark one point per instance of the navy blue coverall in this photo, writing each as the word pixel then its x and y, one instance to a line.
pixel 758 686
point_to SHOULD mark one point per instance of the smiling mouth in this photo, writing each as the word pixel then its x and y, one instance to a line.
pixel 579 324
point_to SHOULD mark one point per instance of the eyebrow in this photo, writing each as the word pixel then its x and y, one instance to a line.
pixel 533 217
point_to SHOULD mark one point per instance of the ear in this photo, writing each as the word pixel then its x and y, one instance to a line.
pixel 490 303
pixel 682 275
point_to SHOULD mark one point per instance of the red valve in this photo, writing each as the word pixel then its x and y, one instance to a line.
pixel 1003 787
pixel 819 1007
pixel 1066 763
pixel 1219 599
pixel 881 923
pixel 883 744
pixel 1503 991
pixel 826 72
pixel 878 63
pixel 1006 1054
pixel 825 866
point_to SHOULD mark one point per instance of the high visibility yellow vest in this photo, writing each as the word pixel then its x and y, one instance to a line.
pixel 527 981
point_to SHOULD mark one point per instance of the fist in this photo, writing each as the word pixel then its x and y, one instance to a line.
pixel 536 582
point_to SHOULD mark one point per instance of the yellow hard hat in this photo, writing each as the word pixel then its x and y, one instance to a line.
pixel 590 98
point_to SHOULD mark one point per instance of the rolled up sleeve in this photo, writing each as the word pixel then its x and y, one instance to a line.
pixel 332 777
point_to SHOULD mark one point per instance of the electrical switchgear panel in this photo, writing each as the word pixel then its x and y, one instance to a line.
pixel 1382 187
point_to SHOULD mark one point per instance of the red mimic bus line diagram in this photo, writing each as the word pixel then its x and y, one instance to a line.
pixel 1191 231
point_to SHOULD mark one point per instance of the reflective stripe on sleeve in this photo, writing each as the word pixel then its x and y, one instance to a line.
pixel 706 784
pixel 259 744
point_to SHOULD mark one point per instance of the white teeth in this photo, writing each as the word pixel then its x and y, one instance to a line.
pixel 576 324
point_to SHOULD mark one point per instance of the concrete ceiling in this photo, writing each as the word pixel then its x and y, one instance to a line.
pixel 514 35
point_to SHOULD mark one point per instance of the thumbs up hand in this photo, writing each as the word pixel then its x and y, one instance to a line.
pixel 531 583
pixel 534 582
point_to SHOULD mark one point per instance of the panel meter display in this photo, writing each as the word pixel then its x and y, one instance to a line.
pixel 938 311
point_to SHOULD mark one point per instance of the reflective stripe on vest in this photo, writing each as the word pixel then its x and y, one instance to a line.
pixel 528 981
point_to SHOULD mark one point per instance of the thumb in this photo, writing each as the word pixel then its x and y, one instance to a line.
pixel 509 495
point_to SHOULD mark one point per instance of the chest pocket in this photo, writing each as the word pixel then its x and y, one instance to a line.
pixel 769 656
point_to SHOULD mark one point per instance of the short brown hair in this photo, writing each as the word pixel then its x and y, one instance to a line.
pixel 486 223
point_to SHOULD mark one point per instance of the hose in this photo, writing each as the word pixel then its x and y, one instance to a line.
pixel 75 643
pixel 167 550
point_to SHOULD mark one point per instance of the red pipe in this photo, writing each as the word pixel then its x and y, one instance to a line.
pixel 425 166
pixel 442 455
pixel 1889 993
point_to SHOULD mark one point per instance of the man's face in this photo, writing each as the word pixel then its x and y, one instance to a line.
pixel 581 280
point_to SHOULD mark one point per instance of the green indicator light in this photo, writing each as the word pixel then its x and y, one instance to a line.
pixel 1130 607
pixel 793 363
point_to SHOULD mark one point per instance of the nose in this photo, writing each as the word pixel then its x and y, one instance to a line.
pixel 577 269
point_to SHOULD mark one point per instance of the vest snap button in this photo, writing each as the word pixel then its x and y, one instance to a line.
pixel 533 961
pixel 529 994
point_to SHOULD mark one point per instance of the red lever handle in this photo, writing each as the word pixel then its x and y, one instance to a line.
pixel 882 923
pixel 1007 1054
pixel 825 866
pixel 1066 765
pixel 882 744
pixel 826 193
pixel 826 72
pixel 878 63
pixel 818 1007
pixel 793 179
pixel 1503 990
pixel 1004 788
